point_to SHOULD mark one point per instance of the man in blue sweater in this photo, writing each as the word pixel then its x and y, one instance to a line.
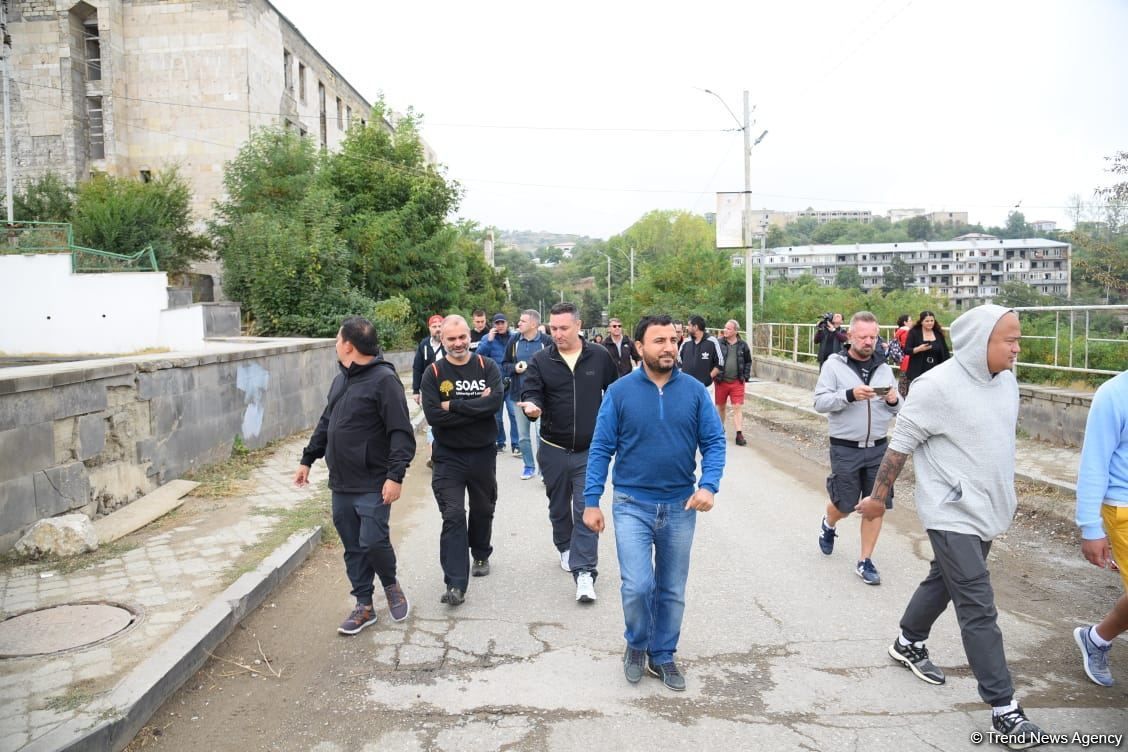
pixel 656 412
pixel 1102 497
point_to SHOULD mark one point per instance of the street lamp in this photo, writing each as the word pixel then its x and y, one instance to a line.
pixel 746 214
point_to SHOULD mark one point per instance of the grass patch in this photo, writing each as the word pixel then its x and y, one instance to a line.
pixel 230 477
pixel 69 564
pixel 74 698
pixel 307 514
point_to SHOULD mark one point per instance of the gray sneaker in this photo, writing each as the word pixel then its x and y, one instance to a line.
pixel 398 605
pixel 669 673
pixel 1094 658
pixel 633 663
pixel 1015 730
pixel 915 658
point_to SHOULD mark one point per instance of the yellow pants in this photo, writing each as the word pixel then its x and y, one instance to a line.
pixel 1116 528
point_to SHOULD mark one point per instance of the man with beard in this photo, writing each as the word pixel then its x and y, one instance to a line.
pixel 854 391
pixel 461 394
pixel 654 421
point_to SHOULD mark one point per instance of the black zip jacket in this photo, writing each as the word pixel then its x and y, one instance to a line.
pixel 425 355
pixel 569 400
pixel 698 359
pixel 624 357
pixel 365 432
pixel 743 355
pixel 470 422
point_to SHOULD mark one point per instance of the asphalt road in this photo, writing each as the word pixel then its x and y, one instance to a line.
pixel 783 648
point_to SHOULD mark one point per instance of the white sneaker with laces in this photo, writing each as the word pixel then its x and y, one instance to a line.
pixel 585 587
pixel 564 561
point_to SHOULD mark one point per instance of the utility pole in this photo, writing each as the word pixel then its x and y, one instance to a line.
pixel 6 55
pixel 746 218
pixel 763 262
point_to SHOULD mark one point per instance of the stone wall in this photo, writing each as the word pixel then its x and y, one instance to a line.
pixel 1045 413
pixel 92 436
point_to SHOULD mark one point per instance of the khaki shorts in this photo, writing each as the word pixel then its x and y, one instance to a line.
pixel 1116 528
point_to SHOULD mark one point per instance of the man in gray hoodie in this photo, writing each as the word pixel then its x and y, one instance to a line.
pixel 959 425
pixel 855 391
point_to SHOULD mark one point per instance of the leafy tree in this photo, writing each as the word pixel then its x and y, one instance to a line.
pixel 123 215
pixel 898 275
pixel 46 199
pixel 848 278
pixel 1015 294
pixel 1016 226
pixel 918 228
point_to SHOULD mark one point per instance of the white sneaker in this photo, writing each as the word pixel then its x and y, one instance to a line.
pixel 564 561
pixel 585 587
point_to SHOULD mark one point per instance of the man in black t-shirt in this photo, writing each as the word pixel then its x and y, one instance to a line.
pixel 461 394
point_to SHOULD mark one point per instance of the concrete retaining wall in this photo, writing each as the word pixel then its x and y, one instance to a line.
pixel 1046 413
pixel 91 436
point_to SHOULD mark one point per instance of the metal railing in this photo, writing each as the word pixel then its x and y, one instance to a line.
pixel 58 237
pixel 1085 340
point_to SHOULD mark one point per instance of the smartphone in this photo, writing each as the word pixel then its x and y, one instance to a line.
pixel 881 391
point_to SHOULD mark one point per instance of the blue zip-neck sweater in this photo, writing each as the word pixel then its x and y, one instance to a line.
pixel 654 435
pixel 1103 474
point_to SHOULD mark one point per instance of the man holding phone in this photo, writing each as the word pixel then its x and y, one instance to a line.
pixel 854 390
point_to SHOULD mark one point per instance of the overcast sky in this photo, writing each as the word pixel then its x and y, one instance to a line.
pixel 580 117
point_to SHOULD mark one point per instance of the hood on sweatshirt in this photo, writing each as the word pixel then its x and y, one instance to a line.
pixel 970 334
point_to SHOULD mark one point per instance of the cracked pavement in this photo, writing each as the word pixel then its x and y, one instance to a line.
pixel 783 648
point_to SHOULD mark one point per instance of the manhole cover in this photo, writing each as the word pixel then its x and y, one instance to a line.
pixel 51 630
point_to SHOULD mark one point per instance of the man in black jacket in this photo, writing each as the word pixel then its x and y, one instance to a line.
pixel 564 384
pixel 621 348
pixel 366 438
pixel 700 353
pixel 737 369
pixel 461 394
pixel 429 350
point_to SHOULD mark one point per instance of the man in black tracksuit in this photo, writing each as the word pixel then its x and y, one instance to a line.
pixel 700 354
pixel 461 394
pixel 366 438
pixel 564 386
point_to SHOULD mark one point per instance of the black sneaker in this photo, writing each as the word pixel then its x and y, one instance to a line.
pixel 1015 731
pixel 633 663
pixel 480 568
pixel 516 451
pixel 362 616
pixel 669 673
pixel 740 441
pixel 453 597
pixel 915 658
pixel 826 538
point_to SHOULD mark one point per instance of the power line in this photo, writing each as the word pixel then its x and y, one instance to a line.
pixel 483 126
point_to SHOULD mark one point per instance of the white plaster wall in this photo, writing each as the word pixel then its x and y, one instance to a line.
pixel 47 309
pixel 182 328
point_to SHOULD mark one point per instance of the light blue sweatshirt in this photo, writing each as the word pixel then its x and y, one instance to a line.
pixel 1102 476
pixel 654 434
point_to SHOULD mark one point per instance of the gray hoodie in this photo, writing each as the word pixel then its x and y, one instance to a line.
pixel 959 423
pixel 866 421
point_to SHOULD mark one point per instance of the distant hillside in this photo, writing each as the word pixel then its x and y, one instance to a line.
pixel 530 240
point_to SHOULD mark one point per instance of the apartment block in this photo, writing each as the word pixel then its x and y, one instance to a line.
pixel 968 272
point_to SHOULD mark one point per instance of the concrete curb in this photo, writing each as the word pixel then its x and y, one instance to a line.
pixel 111 722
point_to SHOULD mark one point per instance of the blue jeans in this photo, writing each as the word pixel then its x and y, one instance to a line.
pixel 506 407
pixel 653 542
pixel 527 430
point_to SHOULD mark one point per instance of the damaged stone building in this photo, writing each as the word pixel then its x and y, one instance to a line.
pixel 130 87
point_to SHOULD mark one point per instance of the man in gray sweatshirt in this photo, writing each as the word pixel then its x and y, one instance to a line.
pixel 855 391
pixel 959 425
